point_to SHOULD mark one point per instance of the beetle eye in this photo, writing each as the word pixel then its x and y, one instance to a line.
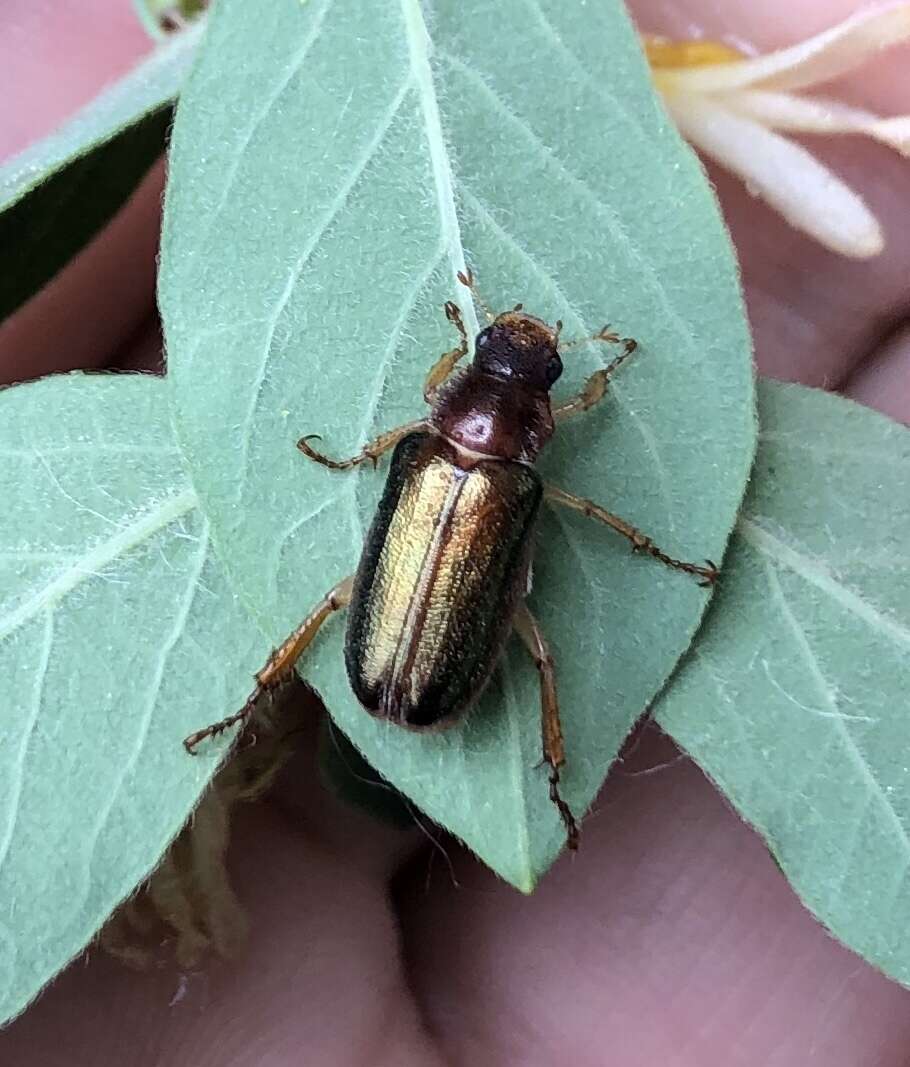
pixel 483 338
pixel 554 369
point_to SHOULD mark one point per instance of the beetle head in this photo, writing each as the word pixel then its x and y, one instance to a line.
pixel 520 347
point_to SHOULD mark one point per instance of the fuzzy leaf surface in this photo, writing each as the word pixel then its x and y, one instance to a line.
pixel 118 637
pixel 59 192
pixel 323 195
pixel 794 698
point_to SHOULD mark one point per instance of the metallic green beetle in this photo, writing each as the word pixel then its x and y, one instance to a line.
pixel 445 568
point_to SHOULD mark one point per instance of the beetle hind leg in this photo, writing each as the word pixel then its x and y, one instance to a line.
pixel 554 753
pixel 280 665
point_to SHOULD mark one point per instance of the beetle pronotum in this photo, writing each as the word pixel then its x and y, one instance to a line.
pixel 443 575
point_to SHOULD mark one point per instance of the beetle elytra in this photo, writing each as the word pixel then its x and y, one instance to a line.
pixel 444 572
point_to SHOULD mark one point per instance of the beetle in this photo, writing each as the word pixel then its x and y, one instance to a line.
pixel 445 568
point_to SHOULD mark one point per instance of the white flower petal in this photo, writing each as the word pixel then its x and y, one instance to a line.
pixel 782 173
pixel 816 114
pixel 894 132
pixel 818 59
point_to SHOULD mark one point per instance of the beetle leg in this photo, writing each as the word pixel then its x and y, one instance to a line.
pixel 280 665
pixel 640 542
pixel 554 752
pixel 596 386
pixel 370 451
pixel 444 366
pixel 466 278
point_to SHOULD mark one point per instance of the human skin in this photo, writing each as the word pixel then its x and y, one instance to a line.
pixel 671 938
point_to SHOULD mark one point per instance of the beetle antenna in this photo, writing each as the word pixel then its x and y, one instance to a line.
pixel 466 277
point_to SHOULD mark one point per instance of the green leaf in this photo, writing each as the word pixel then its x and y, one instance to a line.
pixel 118 636
pixel 149 13
pixel 322 196
pixel 349 776
pixel 794 698
pixel 58 193
pixel 158 17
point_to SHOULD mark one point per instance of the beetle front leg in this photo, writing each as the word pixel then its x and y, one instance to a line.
pixel 640 541
pixel 371 451
pixel 595 387
pixel 281 663
pixel 554 752
pixel 444 366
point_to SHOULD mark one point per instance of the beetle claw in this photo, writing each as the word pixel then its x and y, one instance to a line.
pixel 711 576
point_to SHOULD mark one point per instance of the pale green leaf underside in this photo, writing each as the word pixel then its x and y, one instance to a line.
pixel 149 14
pixel 795 698
pixel 59 192
pixel 152 84
pixel 117 637
pixel 322 196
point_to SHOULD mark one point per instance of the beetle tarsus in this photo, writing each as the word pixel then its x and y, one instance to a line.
pixel 554 753
pixel 708 574
pixel 279 667
pixel 444 366
pixel 639 541
pixel 370 451
pixel 318 457
pixel 711 574
pixel 466 277
pixel 565 812
pixel 485 429
pixel 217 728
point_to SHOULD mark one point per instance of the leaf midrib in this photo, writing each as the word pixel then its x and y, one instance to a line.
pixel 816 573
pixel 92 562
pixel 419 45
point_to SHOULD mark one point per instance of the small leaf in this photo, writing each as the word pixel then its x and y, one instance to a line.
pixel 794 699
pixel 160 17
pixel 322 196
pixel 149 13
pixel 118 637
pixel 58 193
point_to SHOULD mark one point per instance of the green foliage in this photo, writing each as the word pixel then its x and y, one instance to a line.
pixel 159 17
pixel 322 197
pixel 118 636
pixel 58 193
pixel 794 698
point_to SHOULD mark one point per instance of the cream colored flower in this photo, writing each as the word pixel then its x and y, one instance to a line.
pixel 731 107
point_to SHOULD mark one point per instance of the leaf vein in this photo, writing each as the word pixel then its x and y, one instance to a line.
pixel 381 376
pixel 18 772
pixel 98 557
pixel 419 47
pixel 816 573
pixel 578 67
pixel 611 220
pixel 645 432
pixel 157 676
pixel 293 68
pixel 271 322
pixel 829 697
